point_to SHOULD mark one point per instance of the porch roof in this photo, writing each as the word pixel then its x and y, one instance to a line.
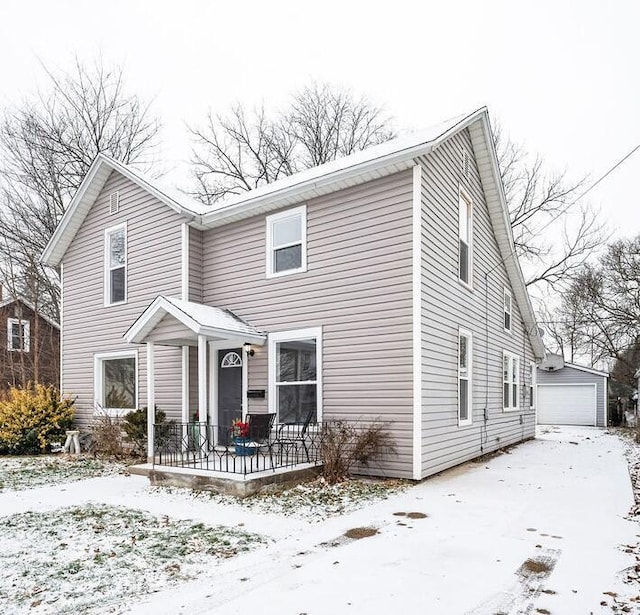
pixel 188 320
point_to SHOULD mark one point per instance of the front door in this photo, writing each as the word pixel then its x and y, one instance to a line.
pixel 229 365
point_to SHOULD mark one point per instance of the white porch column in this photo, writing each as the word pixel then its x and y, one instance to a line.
pixel 151 400
pixel 202 379
pixel 185 384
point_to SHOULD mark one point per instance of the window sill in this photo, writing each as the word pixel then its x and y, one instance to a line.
pixel 465 423
pixel 113 412
pixel 281 274
pixel 466 285
pixel 516 409
pixel 116 303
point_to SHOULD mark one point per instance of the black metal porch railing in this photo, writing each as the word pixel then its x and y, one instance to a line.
pixel 202 446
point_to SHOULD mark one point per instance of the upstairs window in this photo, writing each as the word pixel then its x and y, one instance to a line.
pixel 465 234
pixel 507 310
pixel 510 380
pixel 18 335
pixel 287 242
pixel 464 377
pixel 115 266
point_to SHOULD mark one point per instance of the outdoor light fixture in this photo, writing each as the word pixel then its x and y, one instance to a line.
pixel 247 348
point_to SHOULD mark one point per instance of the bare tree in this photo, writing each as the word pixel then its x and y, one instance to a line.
pixel 539 203
pixel 606 299
pixel 240 151
pixel 47 144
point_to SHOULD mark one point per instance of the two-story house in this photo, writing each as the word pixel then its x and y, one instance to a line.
pixel 379 286
pixel 29 343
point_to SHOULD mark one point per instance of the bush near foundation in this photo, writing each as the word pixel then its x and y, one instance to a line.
pixel 135 428
pixel 346 445
pixel 33 417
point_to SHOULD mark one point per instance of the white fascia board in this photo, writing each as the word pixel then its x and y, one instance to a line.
pixel 507 247
pixel 589 370
pixel 64 233
pixel 49 255
pixel 254 338
pixel 250 205
pixel 153 315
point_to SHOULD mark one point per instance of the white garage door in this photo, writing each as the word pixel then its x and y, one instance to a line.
pixel 567 404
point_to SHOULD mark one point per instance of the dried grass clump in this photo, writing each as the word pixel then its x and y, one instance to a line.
pixel 107 437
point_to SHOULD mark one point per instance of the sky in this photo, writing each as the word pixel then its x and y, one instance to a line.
pixel 561 76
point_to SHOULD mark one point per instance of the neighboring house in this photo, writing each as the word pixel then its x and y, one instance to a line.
pixel 570 394
pixel 379 286
pixel 30 344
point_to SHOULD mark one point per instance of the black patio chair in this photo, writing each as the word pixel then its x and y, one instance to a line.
pixel 260 427
pixel 289 436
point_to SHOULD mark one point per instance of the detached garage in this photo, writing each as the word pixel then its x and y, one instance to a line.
pixel 570 394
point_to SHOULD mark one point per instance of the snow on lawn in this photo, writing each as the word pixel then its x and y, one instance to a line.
pixel 542 528
pixel 17 473
pixel 60 561
pixel 539 529
pixel 313 502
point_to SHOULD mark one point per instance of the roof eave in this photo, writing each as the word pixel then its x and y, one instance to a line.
pixel 60 241
pixel 507 248
pixel 248 205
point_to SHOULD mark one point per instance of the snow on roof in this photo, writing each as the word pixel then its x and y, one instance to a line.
pixel 199 318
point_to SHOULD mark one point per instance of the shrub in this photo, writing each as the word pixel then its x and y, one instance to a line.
pixel 32 417
pixel 134 426
pixel 345 445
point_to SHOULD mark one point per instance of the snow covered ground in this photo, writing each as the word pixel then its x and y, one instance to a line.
pixel 543 528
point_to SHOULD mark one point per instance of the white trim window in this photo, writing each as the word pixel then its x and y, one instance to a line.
pixel 18 335
pixel 115 265
pixel 510 380
pixel 465 238
pixel 508 310
pixel 295 375
pixel 465 359
pixel 116 382
pixel 532 385
pixel 287 242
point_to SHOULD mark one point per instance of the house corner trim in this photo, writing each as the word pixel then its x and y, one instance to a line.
pixel 416 267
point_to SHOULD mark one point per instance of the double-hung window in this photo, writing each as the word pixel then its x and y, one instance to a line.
pixel 532 385
pixel 115 265
pixel 295 370
pixel 116 382
pixel 464 377
pixel 465 235
pixel 507 310
pixel 18 335
pixel 510 380
pixel 287 242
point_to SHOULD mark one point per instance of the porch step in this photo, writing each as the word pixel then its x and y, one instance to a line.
pixel 140 469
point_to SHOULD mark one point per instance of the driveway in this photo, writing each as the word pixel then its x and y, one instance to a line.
pixel 535 530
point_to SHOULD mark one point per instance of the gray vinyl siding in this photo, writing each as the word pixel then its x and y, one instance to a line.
pixel 195 265
pixel 169 329
pixel 570 375
pixel 153 267
pixel 357 288
pixel 448 305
